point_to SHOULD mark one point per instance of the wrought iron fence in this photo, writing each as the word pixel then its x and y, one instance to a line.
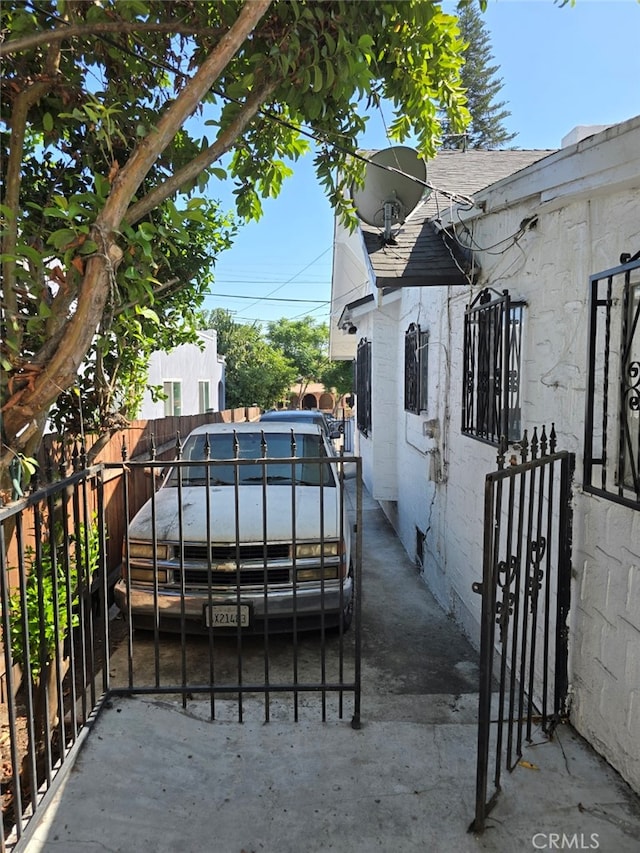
pixel 230 551
pixel 492 354
pixel 53 597
pixel 612 423
pixel 416 341
pixel 214 616
pixel 363 387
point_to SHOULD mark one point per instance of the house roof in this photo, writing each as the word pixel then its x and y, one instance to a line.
pixel 422 254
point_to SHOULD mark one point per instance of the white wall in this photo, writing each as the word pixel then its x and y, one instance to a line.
pixel 349 282
pixel 190 365
pixel 569 244
pixel 586 201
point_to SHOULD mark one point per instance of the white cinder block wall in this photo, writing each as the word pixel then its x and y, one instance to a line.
pixel 582 228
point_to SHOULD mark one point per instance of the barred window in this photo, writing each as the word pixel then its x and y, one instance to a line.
pixel 363 386
pixel 492 353
pixel 415 369
pixel 612 423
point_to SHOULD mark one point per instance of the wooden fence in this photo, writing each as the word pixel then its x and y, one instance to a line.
pixel 59 456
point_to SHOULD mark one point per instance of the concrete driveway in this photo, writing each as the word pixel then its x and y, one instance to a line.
pixel 154 776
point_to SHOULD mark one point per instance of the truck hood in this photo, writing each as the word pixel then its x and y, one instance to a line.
pixel 251 508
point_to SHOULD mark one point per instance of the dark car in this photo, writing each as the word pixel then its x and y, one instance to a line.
pixel 307 416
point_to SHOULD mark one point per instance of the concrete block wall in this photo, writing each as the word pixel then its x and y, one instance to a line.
pixel 605 632
pixel 549 269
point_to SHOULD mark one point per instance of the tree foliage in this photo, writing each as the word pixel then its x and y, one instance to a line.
pixel 261 369
pixel 338 375
pixel 256 374
pixel 305 344
pixel 162 313
pixel 486 128
pixel 117 115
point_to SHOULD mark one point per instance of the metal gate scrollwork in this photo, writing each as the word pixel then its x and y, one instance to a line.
pixel 525 592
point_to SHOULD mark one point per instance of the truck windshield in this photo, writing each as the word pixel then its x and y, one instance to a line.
pixel 277 465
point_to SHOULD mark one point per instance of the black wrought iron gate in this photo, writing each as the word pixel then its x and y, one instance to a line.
pixel 525 601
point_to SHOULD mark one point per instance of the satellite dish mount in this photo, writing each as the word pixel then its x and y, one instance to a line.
pixel 394 183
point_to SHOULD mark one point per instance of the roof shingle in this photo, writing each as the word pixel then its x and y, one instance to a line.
pixel 420 255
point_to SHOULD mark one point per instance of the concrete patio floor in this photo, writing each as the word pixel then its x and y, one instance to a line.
pixel 154 776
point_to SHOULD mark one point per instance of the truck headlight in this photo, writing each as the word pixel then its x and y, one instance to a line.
pixel 317 549
pixel 146 575
pixel 144 551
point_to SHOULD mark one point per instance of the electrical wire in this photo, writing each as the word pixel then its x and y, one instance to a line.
pixel 267 298
pixel 293 277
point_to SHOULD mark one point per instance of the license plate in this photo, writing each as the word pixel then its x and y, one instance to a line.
pixel 226 616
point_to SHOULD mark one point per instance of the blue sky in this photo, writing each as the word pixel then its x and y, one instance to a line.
pixel 560 67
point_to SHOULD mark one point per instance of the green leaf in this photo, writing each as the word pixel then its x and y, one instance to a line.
pixel 317 79
pixel 102 185
pixel 147 230
pixel 44 311
pixel 28 464
pixel 55 212
pixel 329 74
pixel 31 254
pixel 47 122
pixel 149 313
pixel 88 248
pixel 60 239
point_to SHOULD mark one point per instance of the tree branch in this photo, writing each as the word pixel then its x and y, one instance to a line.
pixel 59 373
pixel 192 169
pixel 79 30
pixel 13 179
pixel 146 153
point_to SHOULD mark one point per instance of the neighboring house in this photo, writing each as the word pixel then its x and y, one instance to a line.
pixel 558 233
pixel 314 396
pixel 192 379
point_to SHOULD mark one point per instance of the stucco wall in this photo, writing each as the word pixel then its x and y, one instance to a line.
pixel 583 212
pixel 549 268
pixel 190 365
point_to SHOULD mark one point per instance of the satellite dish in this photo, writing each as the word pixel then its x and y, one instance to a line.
pixel 389 193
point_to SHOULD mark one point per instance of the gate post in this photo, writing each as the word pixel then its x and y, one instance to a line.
pixel 564 586
pixel 487 639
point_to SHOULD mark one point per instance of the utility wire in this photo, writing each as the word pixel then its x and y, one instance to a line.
pixel 293 277
pixel 268 298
